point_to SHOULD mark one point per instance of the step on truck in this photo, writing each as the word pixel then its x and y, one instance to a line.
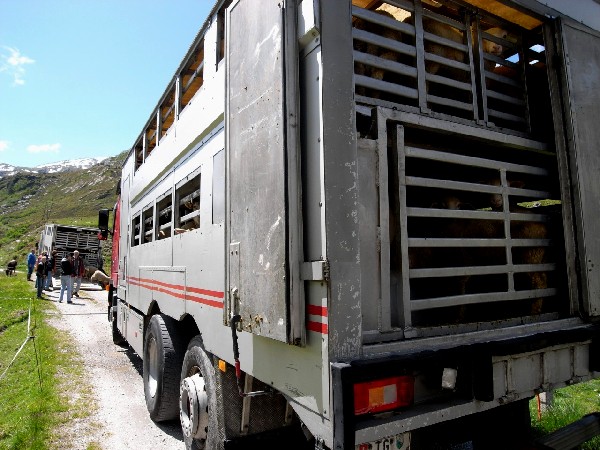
pixel 65 239
pixel 366 224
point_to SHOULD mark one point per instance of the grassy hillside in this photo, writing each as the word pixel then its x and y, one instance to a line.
pixel 28 201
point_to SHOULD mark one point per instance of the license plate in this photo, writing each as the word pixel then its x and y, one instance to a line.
pixel 398 442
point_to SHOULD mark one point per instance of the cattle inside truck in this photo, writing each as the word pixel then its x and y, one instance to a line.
pixel 371 221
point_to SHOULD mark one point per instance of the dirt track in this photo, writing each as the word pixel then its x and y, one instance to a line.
pixel 113 381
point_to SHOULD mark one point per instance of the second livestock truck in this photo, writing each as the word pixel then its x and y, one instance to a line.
pixel 65 239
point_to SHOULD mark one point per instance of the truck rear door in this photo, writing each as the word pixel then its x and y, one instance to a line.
pixel 579 49
pixel 263 221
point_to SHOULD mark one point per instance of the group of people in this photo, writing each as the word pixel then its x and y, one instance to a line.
pixel 72 269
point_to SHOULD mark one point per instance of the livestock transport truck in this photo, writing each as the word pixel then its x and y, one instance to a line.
pixel 375 227
pixel 65 239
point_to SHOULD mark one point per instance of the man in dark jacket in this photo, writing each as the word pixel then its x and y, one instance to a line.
pixel 66 267
pixel 39 273
pixel 51 268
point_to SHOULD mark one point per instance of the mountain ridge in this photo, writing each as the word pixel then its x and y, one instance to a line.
pixel 57 167
pixel 68 193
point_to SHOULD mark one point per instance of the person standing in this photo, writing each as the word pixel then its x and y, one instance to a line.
pixel 66 268
pixel 31 259
pixel 78 272
pixel 39 274
pixel 39 260
pixel 51 263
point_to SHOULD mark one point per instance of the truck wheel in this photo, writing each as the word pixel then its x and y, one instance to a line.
pixel 198 400
pixel 163 354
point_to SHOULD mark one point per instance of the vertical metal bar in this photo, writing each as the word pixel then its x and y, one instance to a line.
pixel 245 420
pixel 297 331
pixel 177 97
pixel 566 195
pixel 478 49
pixel 469 41
pixel 159 124
pixel 406 319
pixel 506 222
pixel 144 146
pixel 524 63
pixel 385 316
pixel 339 172
pixel 420 48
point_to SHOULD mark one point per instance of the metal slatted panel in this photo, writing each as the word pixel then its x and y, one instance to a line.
pixel 449 268
pixel 449 63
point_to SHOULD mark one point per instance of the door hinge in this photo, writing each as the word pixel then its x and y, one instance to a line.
pixel 315 271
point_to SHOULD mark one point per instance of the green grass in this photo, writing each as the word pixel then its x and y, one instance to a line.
pixel 32 404
pixel 570 404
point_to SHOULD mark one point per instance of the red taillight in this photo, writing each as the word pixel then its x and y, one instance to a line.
pixel 383 395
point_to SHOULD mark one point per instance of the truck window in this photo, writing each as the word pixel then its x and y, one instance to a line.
pixel 139 153
pixel 164 216
pixel 192 75
pixel 187 201
pixel 167 112
pixel 135 227
pixel 151 136
pixel 148 221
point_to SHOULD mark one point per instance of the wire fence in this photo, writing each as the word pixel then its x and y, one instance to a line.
pixel 31 335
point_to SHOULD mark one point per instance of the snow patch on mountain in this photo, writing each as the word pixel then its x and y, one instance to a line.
pixel 7 169
pixel 66 166
pixel 57 167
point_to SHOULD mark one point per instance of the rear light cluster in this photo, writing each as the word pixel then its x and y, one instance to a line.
pixel 383 395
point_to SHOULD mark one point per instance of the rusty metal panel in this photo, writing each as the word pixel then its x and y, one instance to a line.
pixel 257 166
pixel 581 79
pixel 368 211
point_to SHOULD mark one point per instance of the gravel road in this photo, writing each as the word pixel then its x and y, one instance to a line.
pixel 112 384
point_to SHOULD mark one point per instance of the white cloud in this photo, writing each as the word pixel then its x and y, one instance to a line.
pixel 13 63
pixel 4 145
pixel 44 148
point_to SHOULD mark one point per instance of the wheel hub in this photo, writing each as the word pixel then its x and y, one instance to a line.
pixel 193 408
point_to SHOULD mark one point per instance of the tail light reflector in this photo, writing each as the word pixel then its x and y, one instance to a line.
pixel 383 395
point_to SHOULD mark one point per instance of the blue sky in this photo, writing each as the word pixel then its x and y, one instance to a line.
pixel 79 78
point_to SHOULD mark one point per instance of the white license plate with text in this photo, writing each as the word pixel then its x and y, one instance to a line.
pixel 398 442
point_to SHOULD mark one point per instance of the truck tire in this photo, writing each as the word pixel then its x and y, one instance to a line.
pixel 163 355
pixel 199 414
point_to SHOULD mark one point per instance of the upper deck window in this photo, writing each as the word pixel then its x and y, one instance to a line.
pixel 139 154
pixel 192 75
pixel 151 140
pixel 167 112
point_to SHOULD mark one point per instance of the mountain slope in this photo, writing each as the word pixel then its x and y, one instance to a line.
pixel 28 200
